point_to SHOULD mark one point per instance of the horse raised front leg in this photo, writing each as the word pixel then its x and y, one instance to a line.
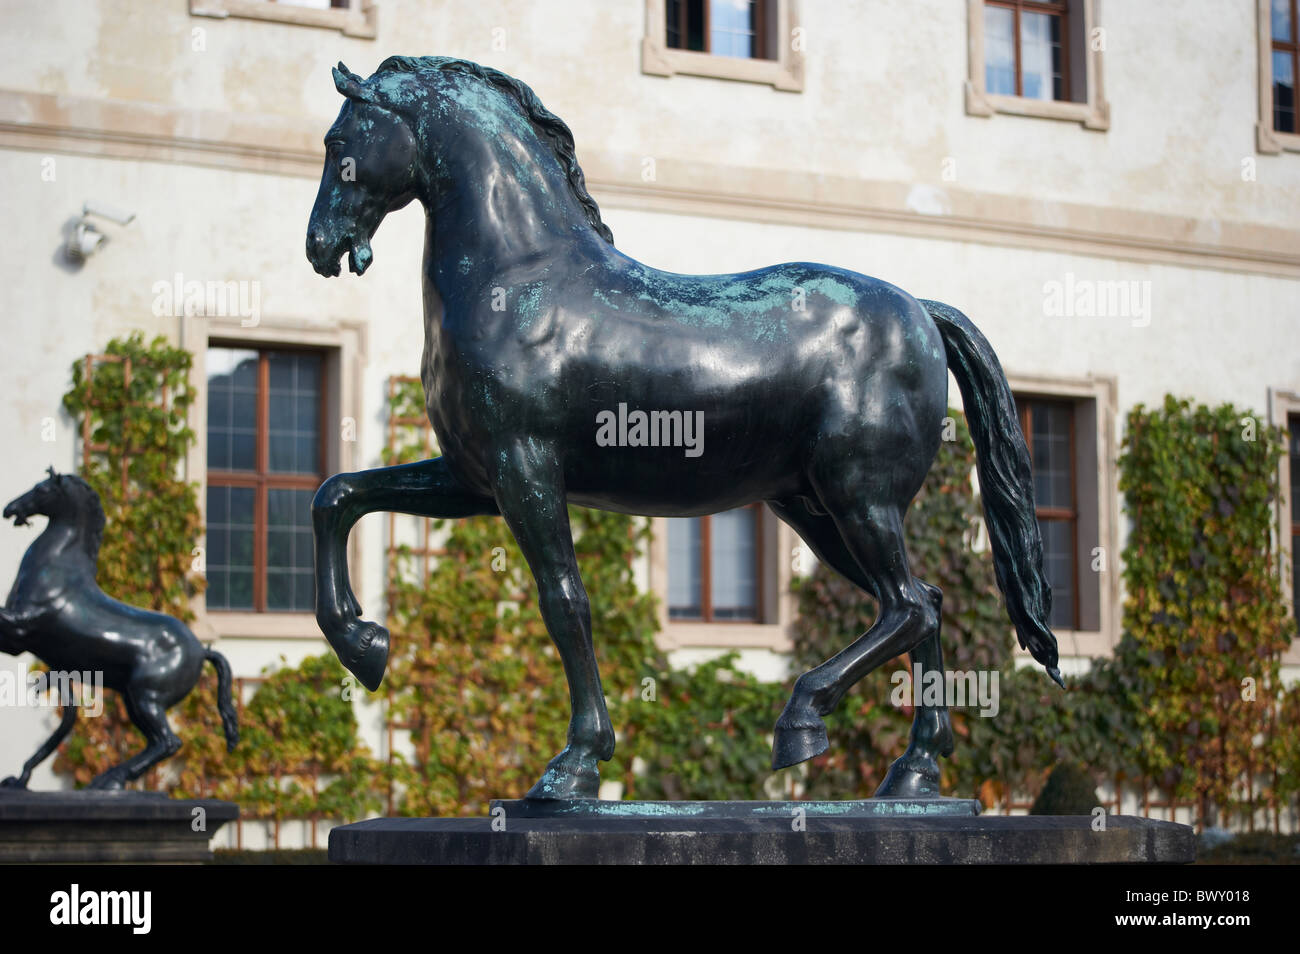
pixel 531 496
pixel 424 489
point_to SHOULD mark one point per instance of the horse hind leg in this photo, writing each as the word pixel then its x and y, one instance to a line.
pixel 149 715
pixel 873 538
pixel 916 772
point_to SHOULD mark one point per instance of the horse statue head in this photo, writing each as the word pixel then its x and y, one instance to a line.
pixel 62 497
pixel 475 146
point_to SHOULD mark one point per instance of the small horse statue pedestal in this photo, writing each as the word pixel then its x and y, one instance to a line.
pixel 93 827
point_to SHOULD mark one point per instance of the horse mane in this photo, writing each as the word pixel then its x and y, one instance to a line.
pixel 555 132
pixel 88 503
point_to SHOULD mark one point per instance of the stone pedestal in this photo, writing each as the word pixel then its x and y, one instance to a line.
pixel 872 831
pixel 107 827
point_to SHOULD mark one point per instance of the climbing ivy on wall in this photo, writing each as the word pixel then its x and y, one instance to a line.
pixel 1205 619
pixel 137 402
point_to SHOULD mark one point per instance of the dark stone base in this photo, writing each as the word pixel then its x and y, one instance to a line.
pixel 729 838
pixel 106 827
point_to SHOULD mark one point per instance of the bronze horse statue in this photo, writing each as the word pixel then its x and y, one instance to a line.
pixel 57 612
pixel 822 393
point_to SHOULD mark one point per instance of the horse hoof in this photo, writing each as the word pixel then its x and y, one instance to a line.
pixel 369 660
pixel 12 782
pixel 563 781
pixel 911 776
pixel 794 744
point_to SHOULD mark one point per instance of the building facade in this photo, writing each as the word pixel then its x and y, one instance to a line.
pixel 1110 190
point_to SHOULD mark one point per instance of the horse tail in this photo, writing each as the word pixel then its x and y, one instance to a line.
pixel 225 699
pixel 1006 485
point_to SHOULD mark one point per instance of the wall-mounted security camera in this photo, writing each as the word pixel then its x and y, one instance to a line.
pixel 106 211
pixel 84 238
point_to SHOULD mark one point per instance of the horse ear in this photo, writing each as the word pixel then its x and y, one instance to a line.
pixel 50 470
pixel 349 84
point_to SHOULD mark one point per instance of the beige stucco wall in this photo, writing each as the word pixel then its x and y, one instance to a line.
pixel 215 150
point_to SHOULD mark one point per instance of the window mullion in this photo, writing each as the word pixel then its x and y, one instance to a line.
pixel 1015 35
pixel 260 501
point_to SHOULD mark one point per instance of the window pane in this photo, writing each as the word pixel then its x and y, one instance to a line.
pixel 1282 20
pixel 1293 429
pixel 1058 564
pixel 1295 573
pixel 1040 56
pixel 230 548
pixel 684 580
pixel 674 24
pixel 293 439
pixel 232 409
pixel 999 51
pixel 733 27
pixel 733 566
pixel 1283 91
pixel 1053 477
pixel 289 578
pixel 695 24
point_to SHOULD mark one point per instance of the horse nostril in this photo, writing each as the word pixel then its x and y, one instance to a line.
pixel 316 242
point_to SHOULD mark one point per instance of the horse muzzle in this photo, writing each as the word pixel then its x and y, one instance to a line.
pixel 18 512
pixel 324 255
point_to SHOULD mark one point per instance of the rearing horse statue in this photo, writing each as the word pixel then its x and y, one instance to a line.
pixel 822 393
pixel 57 612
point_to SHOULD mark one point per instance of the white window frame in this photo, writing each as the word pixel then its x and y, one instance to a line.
pixel 777 611
pixel 345 343
pixel 1267 139
pixel 786 72
pixel 360 18
pixel 1282 404
pixel 1097 463
pixel 1093 112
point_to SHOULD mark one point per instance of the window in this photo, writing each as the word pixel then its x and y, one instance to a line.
pixel 266 458
pixel 351 17
pixel 720 27
pixel 1282 31
pixel 714 567
pixel 1049 430
pixel 1037 58
pixel 1025 49
pixel 1278 25
pixel 758 41
pixel 1293 428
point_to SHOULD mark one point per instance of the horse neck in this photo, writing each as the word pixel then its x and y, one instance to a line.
pixel 500 210
pixel 66 536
